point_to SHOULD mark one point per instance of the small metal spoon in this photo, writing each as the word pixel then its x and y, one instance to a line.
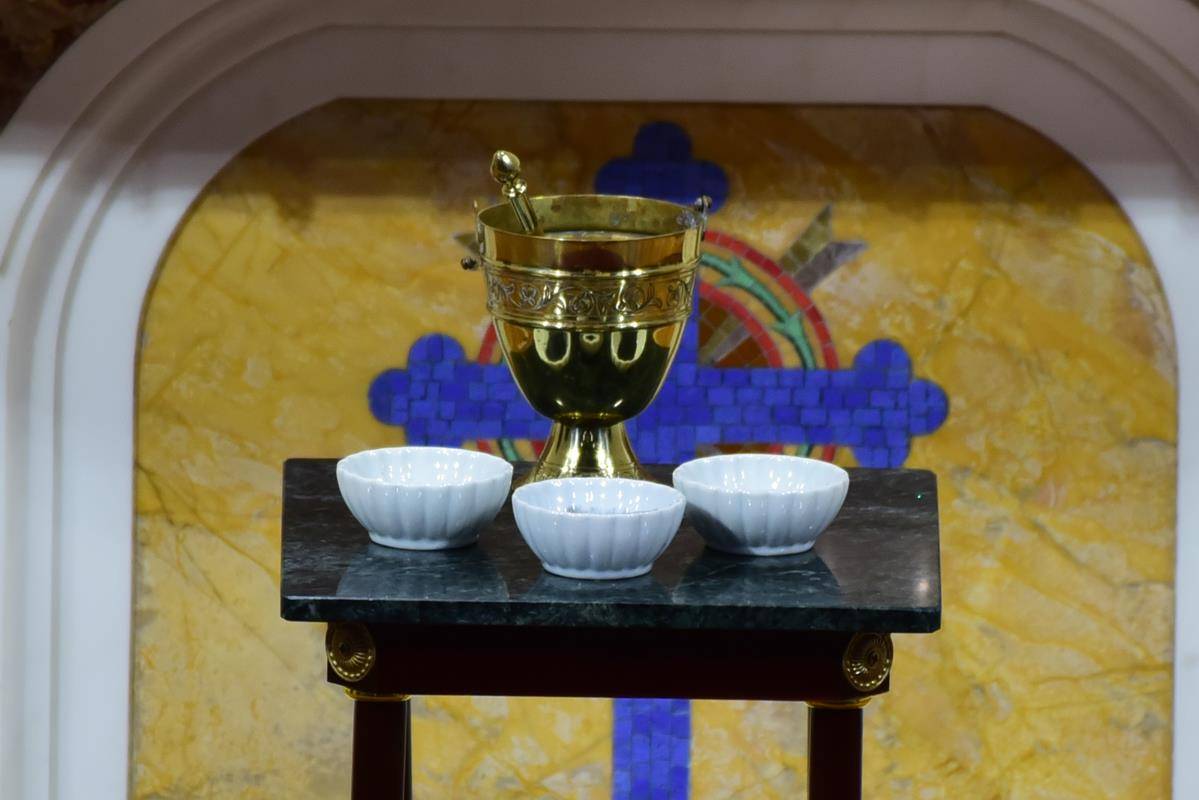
pixel 505 168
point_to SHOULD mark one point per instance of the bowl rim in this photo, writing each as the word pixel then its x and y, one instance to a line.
pixel 676 498
pixel 348 466
pixel 840 476
pixel 488 216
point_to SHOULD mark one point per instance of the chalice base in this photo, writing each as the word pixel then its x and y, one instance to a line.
pixel 577 450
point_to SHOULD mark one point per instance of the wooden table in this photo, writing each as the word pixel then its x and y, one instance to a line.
pixel 487 620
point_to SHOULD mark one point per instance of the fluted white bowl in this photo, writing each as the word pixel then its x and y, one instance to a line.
pixel 423 498
pixel 599 528
pixel 760 504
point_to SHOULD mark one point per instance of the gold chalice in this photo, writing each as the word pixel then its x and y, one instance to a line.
pixel 589 295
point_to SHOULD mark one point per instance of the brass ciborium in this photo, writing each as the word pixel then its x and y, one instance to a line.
pixel 589 295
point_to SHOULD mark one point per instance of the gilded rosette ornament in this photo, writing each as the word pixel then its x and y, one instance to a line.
pixel 350 650
pixel 597 301
pixel 867 660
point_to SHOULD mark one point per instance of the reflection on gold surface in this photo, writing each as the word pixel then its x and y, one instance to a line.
pixel 589 383
pixel 589 377
pixel 591 313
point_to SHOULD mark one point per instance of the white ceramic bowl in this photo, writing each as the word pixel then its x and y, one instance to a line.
pixel 761 504
pixel 423 498
pixel 598 528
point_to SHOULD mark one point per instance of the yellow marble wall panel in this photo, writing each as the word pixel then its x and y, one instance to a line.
pixel 320 254
pixel 1019 286
pixel 299 273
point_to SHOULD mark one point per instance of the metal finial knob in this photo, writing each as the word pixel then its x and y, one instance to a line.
pixel 505 168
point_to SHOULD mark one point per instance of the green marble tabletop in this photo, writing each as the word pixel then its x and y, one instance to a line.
pixel 877 567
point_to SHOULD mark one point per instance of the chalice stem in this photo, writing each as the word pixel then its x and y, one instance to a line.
pixel 579 449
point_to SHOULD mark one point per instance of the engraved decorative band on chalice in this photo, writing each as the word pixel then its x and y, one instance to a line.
pixel 581 300
pixel 589 295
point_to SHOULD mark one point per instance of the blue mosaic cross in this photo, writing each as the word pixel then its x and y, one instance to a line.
pixel 875 407
pixel 651 748
pixel 661 165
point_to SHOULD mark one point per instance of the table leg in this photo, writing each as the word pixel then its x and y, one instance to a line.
pixel 382 765
pixel 834 752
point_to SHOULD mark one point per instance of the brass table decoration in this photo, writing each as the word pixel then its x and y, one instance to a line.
pixel 589 295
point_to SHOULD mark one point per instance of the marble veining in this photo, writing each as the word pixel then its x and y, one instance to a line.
pixel 974 247
pixel 875 568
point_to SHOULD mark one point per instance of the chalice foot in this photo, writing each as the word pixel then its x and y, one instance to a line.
pixel 587 449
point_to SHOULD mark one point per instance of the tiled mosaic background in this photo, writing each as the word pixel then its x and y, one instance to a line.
pixel 900 249
pixel 875 407
pixel 651 748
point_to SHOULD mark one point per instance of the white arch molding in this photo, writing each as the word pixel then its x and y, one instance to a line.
pixel 106 154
